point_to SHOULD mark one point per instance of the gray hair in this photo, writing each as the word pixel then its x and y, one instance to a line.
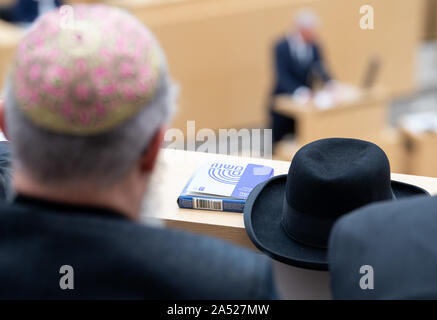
pixel 98 160
pixel 305 18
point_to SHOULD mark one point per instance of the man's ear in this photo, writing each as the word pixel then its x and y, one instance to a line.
pixel 150 155
pixel 2 118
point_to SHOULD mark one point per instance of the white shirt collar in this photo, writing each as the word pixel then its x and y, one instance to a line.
pixel 299 47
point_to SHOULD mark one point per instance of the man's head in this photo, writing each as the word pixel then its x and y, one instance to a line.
pixel 87 102
pixel 306 24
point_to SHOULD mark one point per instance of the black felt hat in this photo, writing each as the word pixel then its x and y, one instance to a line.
pixel 289 217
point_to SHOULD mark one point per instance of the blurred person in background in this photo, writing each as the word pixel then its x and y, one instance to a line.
pixel 298 67
pixel 25 11
pixel 85 113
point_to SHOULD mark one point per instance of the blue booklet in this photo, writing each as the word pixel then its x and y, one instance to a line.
pixel 222 186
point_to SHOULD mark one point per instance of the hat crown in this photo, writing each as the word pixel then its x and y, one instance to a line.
pixel 331 177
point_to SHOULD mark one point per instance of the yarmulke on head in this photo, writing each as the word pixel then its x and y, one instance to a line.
pixel 88 73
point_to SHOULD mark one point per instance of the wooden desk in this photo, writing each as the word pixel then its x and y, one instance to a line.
pixel 364 116
pixel 173 171
pixel 174 168
pixel 421 152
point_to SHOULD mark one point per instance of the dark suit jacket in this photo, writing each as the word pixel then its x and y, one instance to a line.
pixel 22 11
pixel 5 172
pixel 290 73
pixel 398 239
pixel 114 258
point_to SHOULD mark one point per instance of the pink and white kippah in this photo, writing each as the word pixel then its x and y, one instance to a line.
pixel 85 69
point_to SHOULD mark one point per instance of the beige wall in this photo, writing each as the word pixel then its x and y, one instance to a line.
pixel 9 37
pixel 220 50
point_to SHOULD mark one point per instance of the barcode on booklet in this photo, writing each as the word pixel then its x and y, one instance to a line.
pixel 209 204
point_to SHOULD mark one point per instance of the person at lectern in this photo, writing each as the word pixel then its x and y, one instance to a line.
pixel 298 69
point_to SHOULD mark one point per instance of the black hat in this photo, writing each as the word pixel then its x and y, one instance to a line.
pixel 289 217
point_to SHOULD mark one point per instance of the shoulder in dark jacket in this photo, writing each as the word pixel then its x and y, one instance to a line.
pixel 115 258
pixel 396 240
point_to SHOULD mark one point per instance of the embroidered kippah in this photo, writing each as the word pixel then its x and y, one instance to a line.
pixel 85 69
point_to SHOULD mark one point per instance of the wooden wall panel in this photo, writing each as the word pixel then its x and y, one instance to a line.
pixel 220 50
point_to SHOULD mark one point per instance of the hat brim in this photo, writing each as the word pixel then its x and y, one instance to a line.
pixel 403 190
pixel 262 220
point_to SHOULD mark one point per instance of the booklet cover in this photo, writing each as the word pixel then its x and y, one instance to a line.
pixel 222 186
